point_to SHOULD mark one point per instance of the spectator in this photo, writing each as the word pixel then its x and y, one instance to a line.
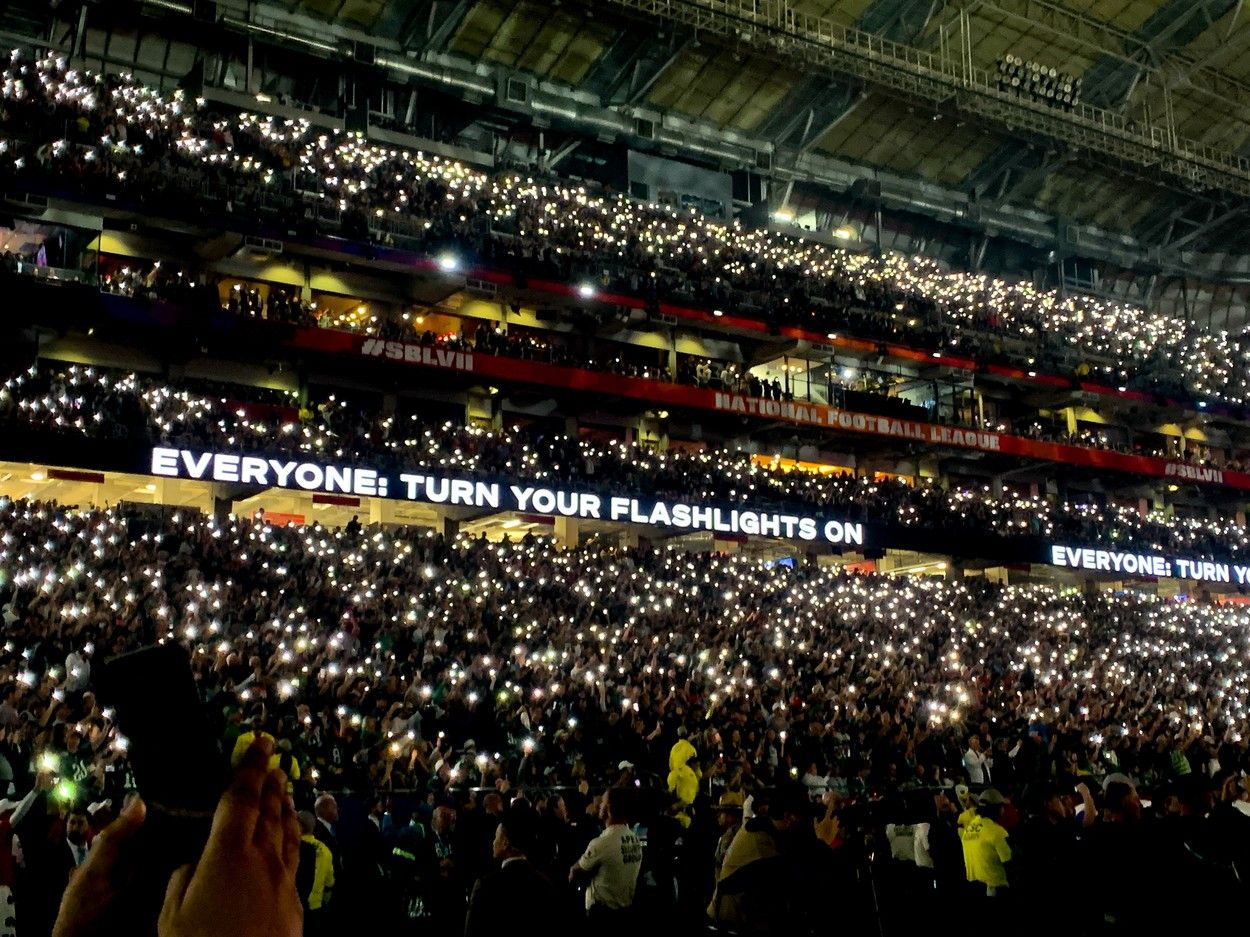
pixel 683 778
pixel 976 763
pixel 517 884
pixel 729 821
pixel 315 876
pixel 986 850
pixel 610 867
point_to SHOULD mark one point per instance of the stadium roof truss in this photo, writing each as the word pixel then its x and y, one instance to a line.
pixel 907 86
pixel 1151 167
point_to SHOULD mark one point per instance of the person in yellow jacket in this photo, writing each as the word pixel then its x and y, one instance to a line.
pixel 683 778
pixel 315 880
pixel 986 851
pixel 250 738
pixel 282 756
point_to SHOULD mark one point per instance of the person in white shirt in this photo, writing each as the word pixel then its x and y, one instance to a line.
pixel 78 670
pixel 610 863
pixel 975 763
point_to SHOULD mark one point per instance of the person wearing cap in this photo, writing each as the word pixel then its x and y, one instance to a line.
pixel 775 876
pixel 626 774
pixel 986 850
pixel 729 820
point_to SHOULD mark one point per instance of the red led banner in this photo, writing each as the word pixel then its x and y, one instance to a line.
pixel 665 394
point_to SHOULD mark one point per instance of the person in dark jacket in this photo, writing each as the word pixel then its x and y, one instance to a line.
pixel 516 884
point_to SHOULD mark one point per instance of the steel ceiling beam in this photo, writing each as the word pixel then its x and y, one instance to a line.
pixel 585 114
pixel 992 173
pixel 819 103
pixel 1211 225
pixel 899 20
pixel 1110 81
pixel 444 20
pixel 945 78
pixel 810 110
pixel 1156 228
pixel 1112 42
pixel 1029 181
pixel 633 63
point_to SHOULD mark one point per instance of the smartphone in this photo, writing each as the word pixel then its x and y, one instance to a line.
pixel 176 759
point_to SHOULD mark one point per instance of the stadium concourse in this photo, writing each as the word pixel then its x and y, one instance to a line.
pixel 538 530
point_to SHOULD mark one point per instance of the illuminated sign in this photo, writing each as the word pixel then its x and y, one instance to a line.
pixel 530 497
pixel 526 497
pixel 815 414
pixel 1148 564
pixel 418 354
pixel 1194 473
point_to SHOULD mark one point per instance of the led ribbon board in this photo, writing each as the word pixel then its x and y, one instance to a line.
pixel 525 496
pixel 1151 565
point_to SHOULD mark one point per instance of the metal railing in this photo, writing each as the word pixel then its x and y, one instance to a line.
pixel 949 75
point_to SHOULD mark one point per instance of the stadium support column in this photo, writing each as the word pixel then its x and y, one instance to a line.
pixel 381 511
pixel 568 532
pixel 158 492
pixel 222 508
pixel 996 486
pixel 306 290
pixel 483 409
pixel 451 528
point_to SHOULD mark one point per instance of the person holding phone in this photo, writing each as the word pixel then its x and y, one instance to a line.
pixel 242 886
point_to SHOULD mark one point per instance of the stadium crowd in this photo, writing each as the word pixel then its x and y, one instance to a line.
pixel 995 741
pixel 75 401
pixel 864 390
pixel 111 134
pixel 480 736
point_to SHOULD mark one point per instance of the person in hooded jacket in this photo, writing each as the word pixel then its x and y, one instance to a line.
pixel 683 778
